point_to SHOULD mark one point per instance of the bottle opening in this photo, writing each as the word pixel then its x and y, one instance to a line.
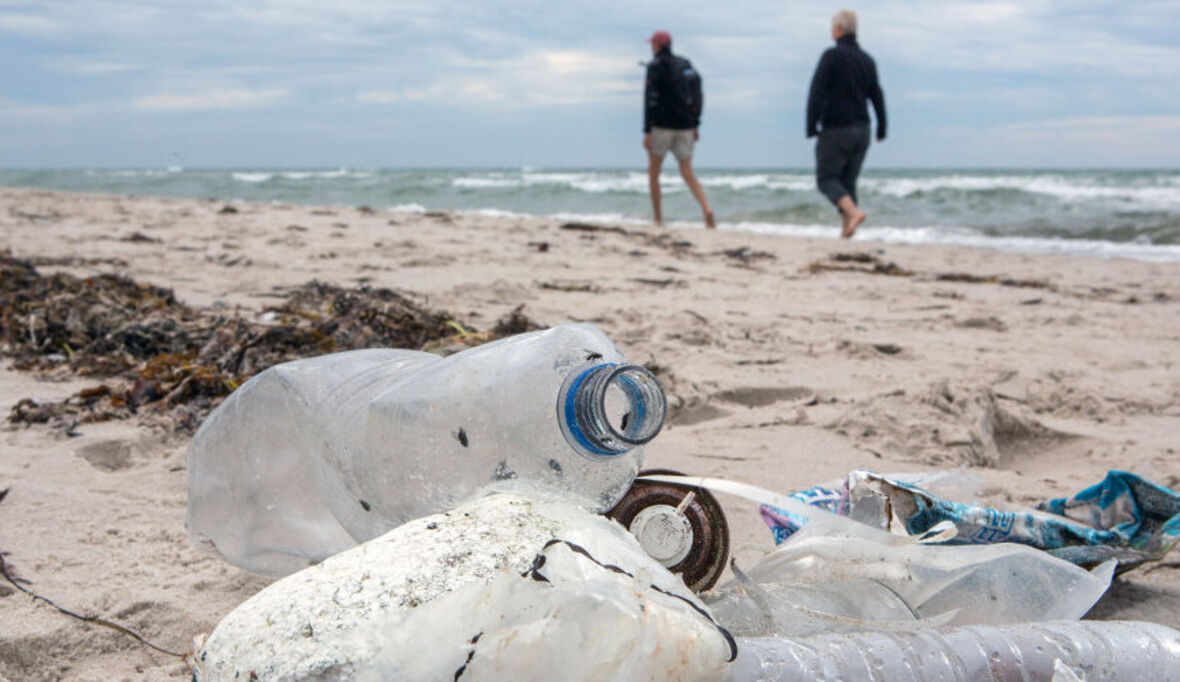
pixel 608 409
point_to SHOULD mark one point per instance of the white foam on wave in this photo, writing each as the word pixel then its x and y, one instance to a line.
pixel 593 183
pixel 631 182
pixel 255 177
pixel 408 208
pixel 592 218
pixel 949 236
pixel 601 218
pixel 1073 188
pixel 252 178
pixel 132 172
pixel 325 175
pixel 495 213
pixel 945 236
pixel 486 182
pixel 794 182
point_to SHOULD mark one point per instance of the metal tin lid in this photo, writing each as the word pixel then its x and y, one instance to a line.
pixel 682 527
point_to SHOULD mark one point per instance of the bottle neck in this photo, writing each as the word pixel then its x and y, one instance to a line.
pixel 608 409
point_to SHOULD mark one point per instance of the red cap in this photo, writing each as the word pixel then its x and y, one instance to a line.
pixel 660 38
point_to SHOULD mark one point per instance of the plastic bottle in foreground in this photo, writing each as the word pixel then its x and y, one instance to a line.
pixel 311 457
pixel 1096 651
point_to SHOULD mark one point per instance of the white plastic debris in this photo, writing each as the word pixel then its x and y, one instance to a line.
pixel 464 592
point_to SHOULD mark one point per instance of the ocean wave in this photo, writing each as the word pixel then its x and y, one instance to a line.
pixel 592 183
pixel 798 182
pixel 934 234
pixel 486 183
pixel 408 208
pixel 961 236
pixel 252 178
pixel 256 177
pixel 631 182
pixel 1121 212
pixel 495 213
pixel 324 175
pixel 592 218
pixel 1055 186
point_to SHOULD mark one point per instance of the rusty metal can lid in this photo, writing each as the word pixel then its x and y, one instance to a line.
pixel 682 527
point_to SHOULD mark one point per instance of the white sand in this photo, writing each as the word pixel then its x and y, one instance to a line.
pixel 774 368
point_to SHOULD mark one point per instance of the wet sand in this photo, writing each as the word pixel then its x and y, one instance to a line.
pixel 788 363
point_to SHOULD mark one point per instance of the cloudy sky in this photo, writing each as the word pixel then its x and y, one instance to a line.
pixel 358 83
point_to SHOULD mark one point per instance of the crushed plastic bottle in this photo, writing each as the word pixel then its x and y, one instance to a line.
pixel 1095 651
pixel 970 584
pixel 311 457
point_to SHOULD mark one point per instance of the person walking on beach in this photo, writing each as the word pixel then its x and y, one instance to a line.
pixel 836 111
pixel 672 104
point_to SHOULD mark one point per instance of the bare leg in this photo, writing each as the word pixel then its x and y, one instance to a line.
pixel 694 186
pixel 851 215
pixel 653 184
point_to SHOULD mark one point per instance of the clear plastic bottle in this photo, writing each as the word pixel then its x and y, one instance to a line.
pixel 311 457
pixel 1091 650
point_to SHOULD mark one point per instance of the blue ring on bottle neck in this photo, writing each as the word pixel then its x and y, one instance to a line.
pixel 571 416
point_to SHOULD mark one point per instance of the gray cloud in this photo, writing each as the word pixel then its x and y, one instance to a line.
pixel 528 66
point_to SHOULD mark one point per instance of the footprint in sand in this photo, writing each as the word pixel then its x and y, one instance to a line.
pixel 107 455
pixel 761 396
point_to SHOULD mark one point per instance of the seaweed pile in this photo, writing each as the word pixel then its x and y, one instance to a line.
pixel 168 362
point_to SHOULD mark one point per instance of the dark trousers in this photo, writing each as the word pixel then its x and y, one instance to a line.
pixel 839 154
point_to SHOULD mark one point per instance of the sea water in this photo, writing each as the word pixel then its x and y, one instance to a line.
pixel 1127 213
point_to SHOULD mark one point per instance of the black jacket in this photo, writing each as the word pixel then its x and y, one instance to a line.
pixel 662 107
pixel 845 77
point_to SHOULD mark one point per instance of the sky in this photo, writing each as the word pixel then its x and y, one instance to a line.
pixel 424 83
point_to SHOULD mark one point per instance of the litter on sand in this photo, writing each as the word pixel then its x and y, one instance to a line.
pixel 1123 517
pixel 483 517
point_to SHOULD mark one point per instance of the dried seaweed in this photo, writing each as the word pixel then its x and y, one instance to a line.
pixel 163 359
pixel 515 322
pixel 745 255
pixel 992 279
pixel 859 262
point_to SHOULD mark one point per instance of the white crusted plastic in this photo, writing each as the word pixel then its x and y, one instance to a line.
pixel 407 605
pixel 310 457
pixel 1094 651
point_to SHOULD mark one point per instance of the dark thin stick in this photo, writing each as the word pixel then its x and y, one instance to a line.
pixel 96 620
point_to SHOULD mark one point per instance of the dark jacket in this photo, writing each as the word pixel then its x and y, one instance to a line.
pixel 663 107
pixel 845 77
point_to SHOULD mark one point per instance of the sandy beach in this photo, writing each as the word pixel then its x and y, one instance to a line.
pixel 788 363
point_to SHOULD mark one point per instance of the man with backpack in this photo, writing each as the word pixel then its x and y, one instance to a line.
pixel 673 101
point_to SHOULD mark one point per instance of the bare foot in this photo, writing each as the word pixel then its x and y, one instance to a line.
pixel 852 220
pixel 709 221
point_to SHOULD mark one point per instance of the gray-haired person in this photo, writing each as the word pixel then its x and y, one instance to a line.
pixel 837 111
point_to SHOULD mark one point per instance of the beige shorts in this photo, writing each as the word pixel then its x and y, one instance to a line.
pixel 679 142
